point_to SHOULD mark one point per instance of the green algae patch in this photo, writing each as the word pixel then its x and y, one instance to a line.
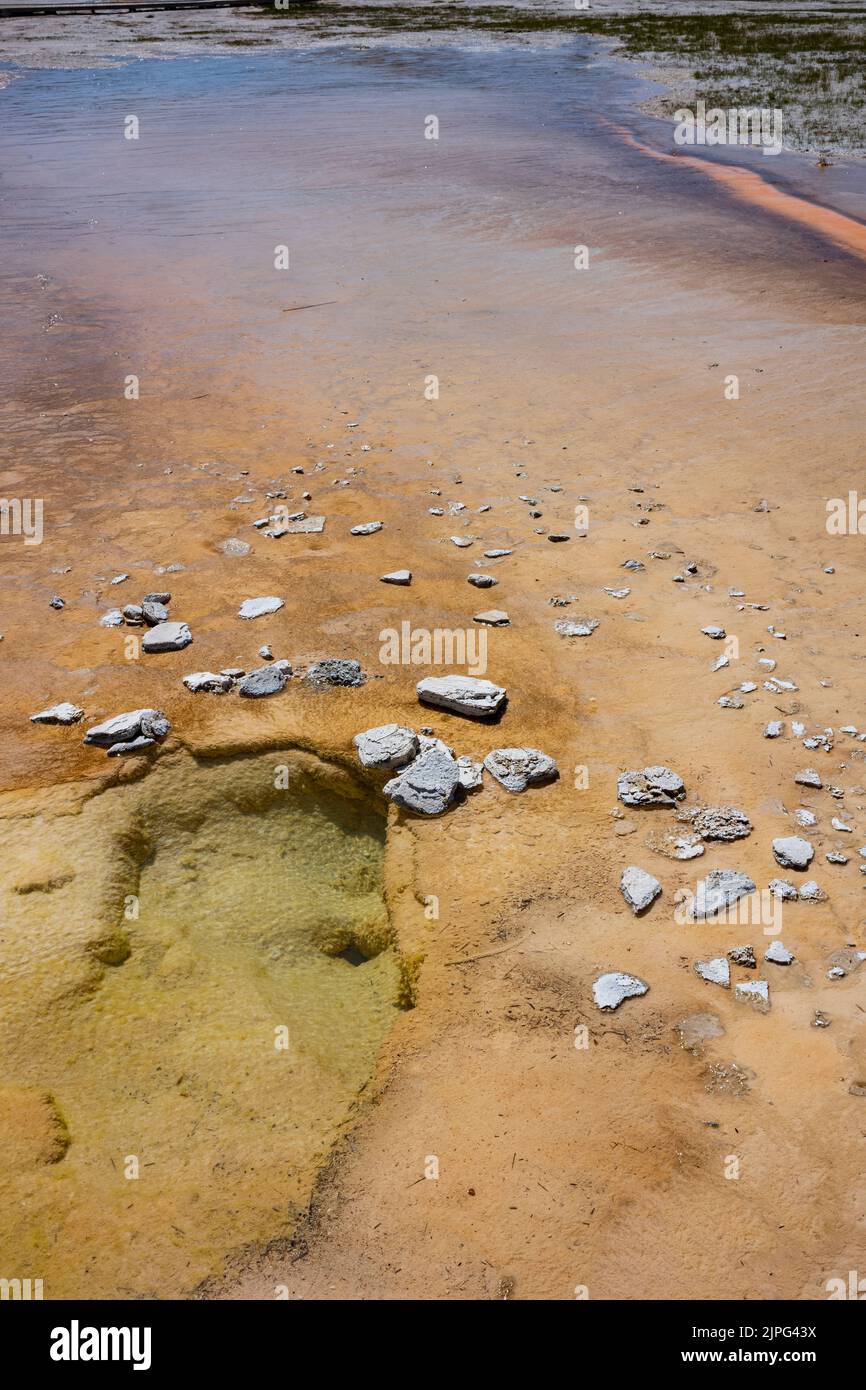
pixel 204 1000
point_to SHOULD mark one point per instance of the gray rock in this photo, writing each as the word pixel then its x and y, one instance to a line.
pixel 743 955
pixel 639 888
pixel 367 528
pixel 155 725
pixel 496 554
pixel 64 713
pixel 792 852
pixel 811 893
pixel 113 618
pixel 654 786
pixel 266 654
pixel 717 633
pixel 428 785
pixel 611 989
pixel 158 596
pixel 208 680
pixel 482 581
pixel 403 577
pixel 462 695
pixel 470 772
pixel 135 745
pixel 119 578
pixel 258 607
pixel 808 778
pixel 754 992
pixel 153 613
pixel 716 971
pixel 388 745
pixel 717 822
pixel 335 671
pixel 779 954
pixel 133 614
pixel 783 890
pixel 493 617
pixel 576 627
pixel 125 728
pixel 235 546
pixel 167 637
pixel 519 768
pixel 56 602
pixel 718 891
pixel 462 541
pixel 266 680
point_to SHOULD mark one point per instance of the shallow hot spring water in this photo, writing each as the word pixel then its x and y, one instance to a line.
pixel 199 973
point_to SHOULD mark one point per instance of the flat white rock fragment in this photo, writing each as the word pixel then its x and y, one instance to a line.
pixel 654 786
pixel 754 992
pixel 779 954
pixel 258 607
pixel 461 694
pixel 718 890
pixel 388 745
pixel 811 892
pixel 470 772
pixel 64 713
pixel 403 577
pixel 792 852
pixel 783 890
pixel 716 971
pixel 576 627
pixel 808 778
pixel 428 785
pixel 216 684
pixel 519 768
pixel 367 528
pixel 167 637
pixel 639 888
pixel 611 989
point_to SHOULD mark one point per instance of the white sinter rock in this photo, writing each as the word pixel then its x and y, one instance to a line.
pixel 611 989
pixel 716 971
pixel 519 768
pixel 461 695
pixel 258 607
pixel 388 745
pixel 639 888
